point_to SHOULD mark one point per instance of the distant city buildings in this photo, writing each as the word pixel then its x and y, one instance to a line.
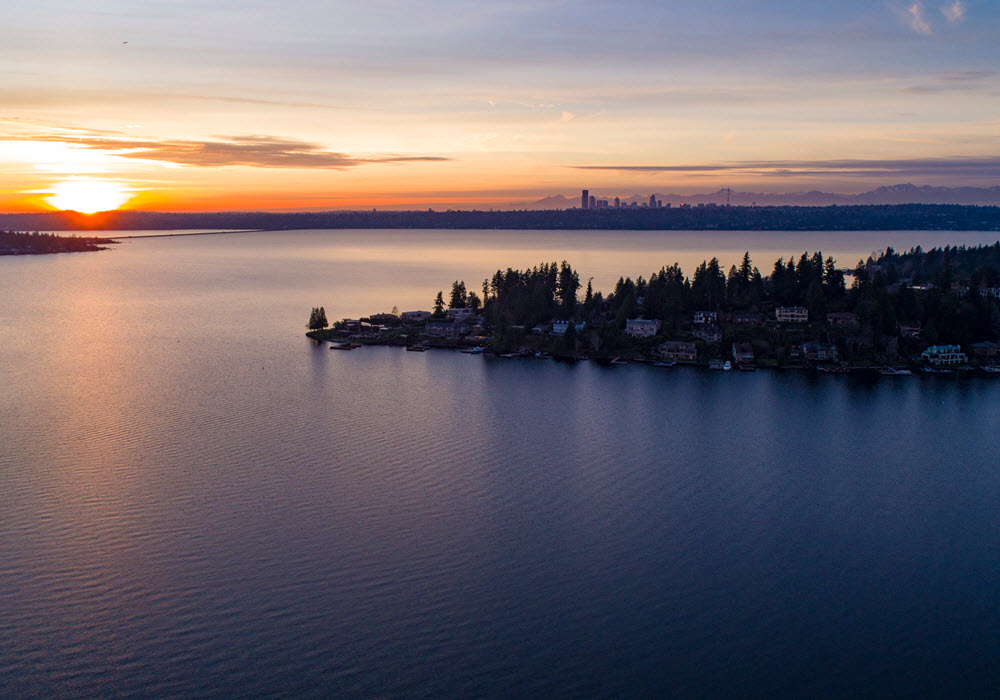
pixel 589 201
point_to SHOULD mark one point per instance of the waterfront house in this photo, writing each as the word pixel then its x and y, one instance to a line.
pixel 642 328
pixel 909 329
pixel 791 314
pixel 416 316
pixel 678 350
pixel 743 353
pixel 985 349
pixel 384 318
pixel 818 352
pixel 944 355
pixel 541 329
pixel 701 317
pixel 709 334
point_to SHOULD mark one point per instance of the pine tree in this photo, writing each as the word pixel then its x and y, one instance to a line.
pixel 317 319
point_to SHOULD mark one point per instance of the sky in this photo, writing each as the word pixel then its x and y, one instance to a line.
pixel 189 105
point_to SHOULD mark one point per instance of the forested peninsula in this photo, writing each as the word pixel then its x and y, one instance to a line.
pixel 937 309
pixel 20 243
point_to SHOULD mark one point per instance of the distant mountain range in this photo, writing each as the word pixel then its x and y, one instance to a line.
pixel 893 194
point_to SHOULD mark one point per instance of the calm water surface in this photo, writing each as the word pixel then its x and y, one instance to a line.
pixel 196 501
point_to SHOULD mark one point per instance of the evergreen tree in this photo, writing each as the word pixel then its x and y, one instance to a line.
pixel 459 297
pixel 439 305
pixel 317 319
pixel 568 283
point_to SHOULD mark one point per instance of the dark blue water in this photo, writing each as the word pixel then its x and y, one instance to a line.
pixel 196 501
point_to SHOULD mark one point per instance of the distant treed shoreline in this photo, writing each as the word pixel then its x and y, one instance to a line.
pixel 897 217
pixel 18 243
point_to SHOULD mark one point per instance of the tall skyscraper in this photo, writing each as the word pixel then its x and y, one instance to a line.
pixel 652 201
pixel 593 202
pixel 618 203
pixel 585 199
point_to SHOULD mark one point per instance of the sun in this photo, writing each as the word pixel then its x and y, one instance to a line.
pixel 88 196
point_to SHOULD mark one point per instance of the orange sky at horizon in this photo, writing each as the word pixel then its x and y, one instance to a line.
pixel 250 106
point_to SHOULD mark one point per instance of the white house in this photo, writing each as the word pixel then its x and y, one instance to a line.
pixel 642 328
pixel 944 355
pixel 705 317
pixel 791 314
pixel 560 327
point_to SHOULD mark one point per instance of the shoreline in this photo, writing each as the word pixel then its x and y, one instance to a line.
pixel 899 369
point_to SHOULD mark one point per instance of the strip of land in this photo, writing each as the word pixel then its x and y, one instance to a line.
pixel 20 243
pixel 898 217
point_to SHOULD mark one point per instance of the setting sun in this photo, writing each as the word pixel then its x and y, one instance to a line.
pixel 88 196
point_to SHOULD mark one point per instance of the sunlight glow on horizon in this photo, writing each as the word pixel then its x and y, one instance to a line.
pixel 88 196
pixel 475 105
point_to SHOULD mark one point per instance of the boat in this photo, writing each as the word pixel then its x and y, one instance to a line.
pixel 715 364
pixel 541 355
pixel 619 361
pixel 894 372
pixel 747 367
pixel 478 350
pixel 727 366
pixel 665 363
pixel 343 346
pixel 416 348
pixel 934 370
pixel 990 369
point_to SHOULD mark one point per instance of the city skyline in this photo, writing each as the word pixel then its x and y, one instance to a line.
pixel 197 107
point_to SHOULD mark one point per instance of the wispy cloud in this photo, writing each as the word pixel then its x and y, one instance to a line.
pixel 975 81
pixel 912 15
pixel 954 11
pixel 246 151
pixel 987 166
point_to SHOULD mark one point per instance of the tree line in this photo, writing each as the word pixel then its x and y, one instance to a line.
pixel 952 307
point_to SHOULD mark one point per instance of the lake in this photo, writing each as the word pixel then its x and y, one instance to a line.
pixel 198 501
